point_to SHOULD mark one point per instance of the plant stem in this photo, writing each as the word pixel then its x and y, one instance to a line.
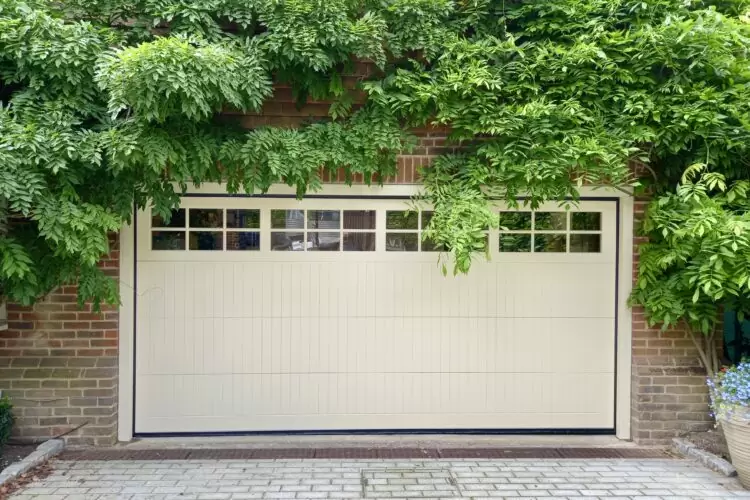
pixel 706 351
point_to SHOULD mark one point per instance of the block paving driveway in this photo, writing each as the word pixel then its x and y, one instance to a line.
pixel 471 478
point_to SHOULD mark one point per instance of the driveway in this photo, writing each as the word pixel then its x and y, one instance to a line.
pixel 305 478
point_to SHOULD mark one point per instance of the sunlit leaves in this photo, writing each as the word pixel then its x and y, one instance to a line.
pixel 109 104
pixel 698 257
pixel 183 77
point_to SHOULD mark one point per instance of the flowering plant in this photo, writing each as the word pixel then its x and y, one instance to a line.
pixel 730 392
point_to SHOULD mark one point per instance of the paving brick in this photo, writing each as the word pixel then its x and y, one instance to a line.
pixel 642 480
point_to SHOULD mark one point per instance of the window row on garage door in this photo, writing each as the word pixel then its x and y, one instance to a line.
pixel 326 229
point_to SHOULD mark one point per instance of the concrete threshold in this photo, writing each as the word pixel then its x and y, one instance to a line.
pixel 377 441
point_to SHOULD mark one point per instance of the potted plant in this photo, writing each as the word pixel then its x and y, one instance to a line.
pixel 730 401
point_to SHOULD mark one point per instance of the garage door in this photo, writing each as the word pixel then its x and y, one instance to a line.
pixel 271 314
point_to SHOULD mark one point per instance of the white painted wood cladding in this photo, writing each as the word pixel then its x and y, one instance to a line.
pixel 270 340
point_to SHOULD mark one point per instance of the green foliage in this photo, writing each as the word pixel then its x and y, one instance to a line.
pixel 697 259
pixel 173 77
pixel 367 144
pixel 6 420
pixel 698 254
pixel 564 93
pixel 107 104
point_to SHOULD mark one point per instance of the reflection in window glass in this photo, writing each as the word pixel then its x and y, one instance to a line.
pixel 586 221
pixel 515 243
pixel 323 219
pixel 287 219
pixel 401 242
pixel 550 242
pixel 243 219
pixel 293 242
pixel 177 219
pixel 324 241
pixel 515 221
pixel 588 243
pixel 430 246
pixel 201 217
pixel 243 241
pixel 359 219
pixel 545 221
pixel 168 240
pixel 204 240
pixel 359 242
pixel 426 218
pixel 401 220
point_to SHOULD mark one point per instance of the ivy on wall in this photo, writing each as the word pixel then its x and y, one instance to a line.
pixel 107 103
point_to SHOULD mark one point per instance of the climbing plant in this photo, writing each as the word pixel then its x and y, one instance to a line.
pixel 111 103
pixel 697 259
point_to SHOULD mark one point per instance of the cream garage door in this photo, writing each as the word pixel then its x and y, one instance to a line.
pixel 271 314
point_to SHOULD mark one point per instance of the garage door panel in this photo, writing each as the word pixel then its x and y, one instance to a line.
pixel 291 398
pixel 232 341
pixel 579 345
pixel 587 405
pixel 225 290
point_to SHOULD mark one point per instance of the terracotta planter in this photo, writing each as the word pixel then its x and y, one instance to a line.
pixel 737 433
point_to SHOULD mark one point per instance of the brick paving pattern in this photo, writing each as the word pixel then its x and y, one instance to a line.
pixel 665 479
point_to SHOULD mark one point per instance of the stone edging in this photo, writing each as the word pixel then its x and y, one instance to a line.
pixel 43 452
pixel 709 460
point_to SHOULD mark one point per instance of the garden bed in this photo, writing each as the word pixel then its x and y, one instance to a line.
pixel 711 441
pixel 11 454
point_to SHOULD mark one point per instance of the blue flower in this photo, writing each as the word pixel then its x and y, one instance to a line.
pixel 730 390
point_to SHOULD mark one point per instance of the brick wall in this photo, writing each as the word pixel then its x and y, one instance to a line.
pixel 669 395
pixel 58 363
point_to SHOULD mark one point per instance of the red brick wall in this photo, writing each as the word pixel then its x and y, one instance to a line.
pixel 669 395
pixel 58 363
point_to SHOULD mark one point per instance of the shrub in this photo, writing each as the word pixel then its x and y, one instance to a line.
pixel 730 392
pixel 6 419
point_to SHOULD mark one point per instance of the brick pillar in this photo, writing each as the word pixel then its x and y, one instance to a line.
pixel 669 394
pixel 58 363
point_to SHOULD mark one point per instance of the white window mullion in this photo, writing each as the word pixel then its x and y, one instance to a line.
pixel 265 230
pixel 380 231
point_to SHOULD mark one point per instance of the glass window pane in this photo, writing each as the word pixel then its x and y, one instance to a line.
pixel 430 246
pixel 401 242
pixel 201 217
pixel 550 221
pixel 168 240
pixel 515 243
pixel 287 219
pixel 515 221
pixel 294 242
pixel 204 240
pixel 426 218
pixel 586 221
pixel 359 242
pixel 401 220
pixel 243 219
pixel 323 219
pixel 177 219
pixel 550 242
pixel 359 219
pixel 243 241
pixel 589 243
pixel 324 241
